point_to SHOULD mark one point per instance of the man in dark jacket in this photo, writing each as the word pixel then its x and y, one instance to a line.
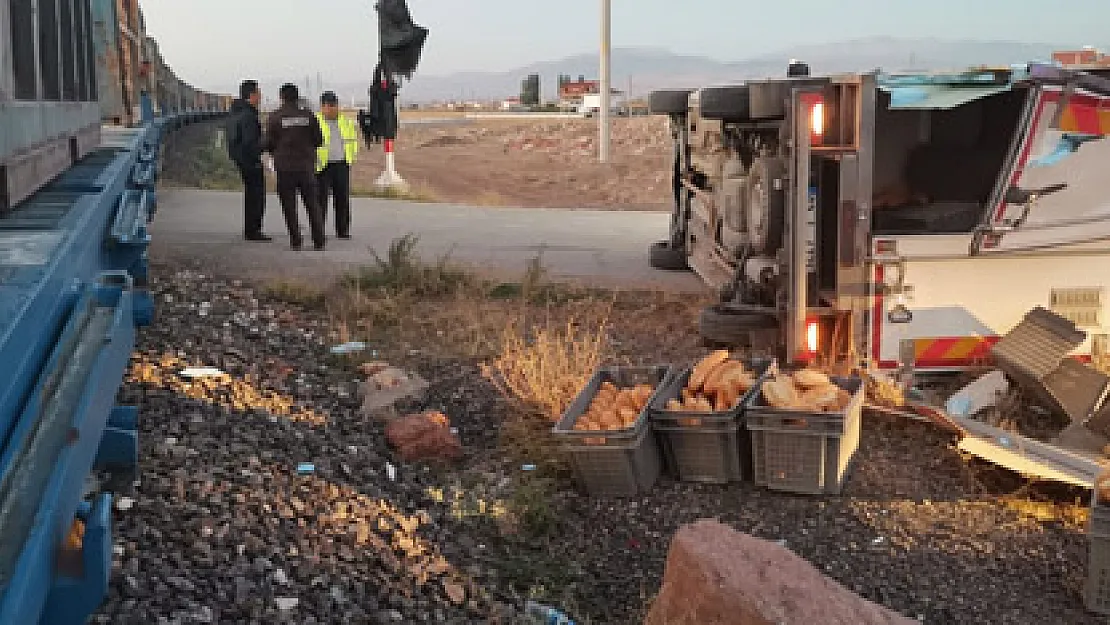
pixel 292 136
pixel 244 146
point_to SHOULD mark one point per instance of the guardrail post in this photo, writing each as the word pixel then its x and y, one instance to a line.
pixel 119 446
pixel 73 598
pixel 146 107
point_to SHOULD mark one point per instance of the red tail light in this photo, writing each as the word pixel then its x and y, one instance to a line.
pixel 814 110
pixel 811 341
pixel 812 336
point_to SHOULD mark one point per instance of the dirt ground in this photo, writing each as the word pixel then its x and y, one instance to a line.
pixel 919 528
pixel 528 163
pixel 532 163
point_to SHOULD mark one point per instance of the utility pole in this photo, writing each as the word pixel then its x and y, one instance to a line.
pixel 606 91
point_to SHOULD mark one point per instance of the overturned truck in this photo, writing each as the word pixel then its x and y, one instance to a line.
pixel 893 221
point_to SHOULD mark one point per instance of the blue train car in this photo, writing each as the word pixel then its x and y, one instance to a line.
pixel 85 99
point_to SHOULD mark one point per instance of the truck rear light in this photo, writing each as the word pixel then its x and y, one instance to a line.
pixel 812 333
pixel 814 104
pixel 817 119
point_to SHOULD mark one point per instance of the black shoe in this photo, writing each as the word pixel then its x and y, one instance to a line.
pixel 258 237
pixel 343 236
pixel 318 246
pixel 296 245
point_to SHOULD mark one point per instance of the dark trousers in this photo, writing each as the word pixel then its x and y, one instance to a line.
pixel 289 184
pixel 335 179
pixel 254 199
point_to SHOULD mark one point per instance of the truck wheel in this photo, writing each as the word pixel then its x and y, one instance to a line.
pixel 768 99
pixel 766 204
pixel 667 258
pixel 669 102
pixel 720 326
pixel 729 104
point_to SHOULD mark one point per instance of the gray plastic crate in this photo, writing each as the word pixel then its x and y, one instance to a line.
pixel 713 452
pixel 1099 524
pixel 614 463
pixel 804 452
pixel 711 447
pixel 1096 592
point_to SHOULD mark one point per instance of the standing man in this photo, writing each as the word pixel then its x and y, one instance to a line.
pixel 333 162
pixel 292 136
pixel 244 146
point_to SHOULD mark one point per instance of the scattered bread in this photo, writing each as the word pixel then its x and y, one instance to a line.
pixel 716 384
pixel 811 378
pixel 806 390
pixel 706 366
pixel 614 408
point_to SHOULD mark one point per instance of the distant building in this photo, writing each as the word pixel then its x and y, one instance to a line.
pixel 571 92
pixel 511 104
pixel 530 90
pixel 1088 57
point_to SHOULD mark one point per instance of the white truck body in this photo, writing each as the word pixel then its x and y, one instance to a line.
pixel 1058 258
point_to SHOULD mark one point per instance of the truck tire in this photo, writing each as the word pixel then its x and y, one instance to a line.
pixel 729 104
pixel 768 99
pixel 663 256
pixel 669 102
pixel 719 326
pixel 766 218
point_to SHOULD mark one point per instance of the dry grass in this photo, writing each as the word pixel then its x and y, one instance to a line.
pixel 402 272
pixel 489 198
pixel 1071 515
pixel 545 366
pixel 413 193
pixel 294 292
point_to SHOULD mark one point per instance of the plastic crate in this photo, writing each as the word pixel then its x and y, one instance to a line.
pixel 1096 592
pixel 804 452
pixel 711 447
pixel 1099 524
pixel 713 452
pixel 614 463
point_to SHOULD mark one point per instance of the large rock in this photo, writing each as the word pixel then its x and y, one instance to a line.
pixel 718 576
pixel 424 436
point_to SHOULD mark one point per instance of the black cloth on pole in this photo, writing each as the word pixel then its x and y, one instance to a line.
pixel 380 121
pixel 401 40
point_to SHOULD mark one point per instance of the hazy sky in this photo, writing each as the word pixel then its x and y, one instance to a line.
pixel 214 42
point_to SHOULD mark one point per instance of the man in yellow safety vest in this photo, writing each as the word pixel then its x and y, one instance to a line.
pixel 334 160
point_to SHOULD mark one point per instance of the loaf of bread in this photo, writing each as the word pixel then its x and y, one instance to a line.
pixel 806 390
pixel 716 384
pixel 614 409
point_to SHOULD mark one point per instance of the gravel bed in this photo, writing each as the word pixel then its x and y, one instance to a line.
pixel 223 529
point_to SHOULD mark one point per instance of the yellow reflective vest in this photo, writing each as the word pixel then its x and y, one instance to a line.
pixel 350 140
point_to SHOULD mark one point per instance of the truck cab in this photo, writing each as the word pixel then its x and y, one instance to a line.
pixel 868 220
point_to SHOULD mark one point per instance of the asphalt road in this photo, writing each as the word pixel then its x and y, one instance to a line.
pixel 601 248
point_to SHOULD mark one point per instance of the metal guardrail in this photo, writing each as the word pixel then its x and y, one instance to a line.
pixel 73 275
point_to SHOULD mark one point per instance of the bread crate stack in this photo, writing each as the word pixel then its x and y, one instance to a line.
pixel 723 419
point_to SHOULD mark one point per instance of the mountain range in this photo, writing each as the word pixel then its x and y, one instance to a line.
pixel 646 69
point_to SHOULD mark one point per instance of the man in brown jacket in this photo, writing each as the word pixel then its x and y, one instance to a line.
pixel 292 136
